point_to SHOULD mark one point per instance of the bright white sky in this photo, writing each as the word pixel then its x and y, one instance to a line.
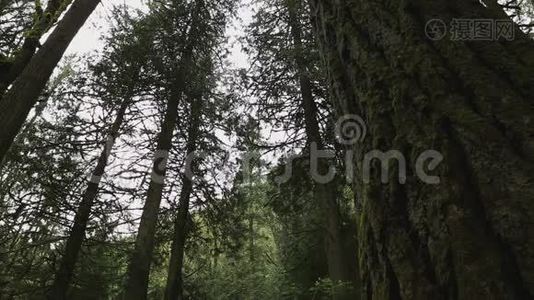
pixel 88 38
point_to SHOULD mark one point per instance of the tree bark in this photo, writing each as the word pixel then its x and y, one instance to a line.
pixel 18 101
pixel 174 288
pixel 470 236
pixel 341 262
pixel 139 266
pixel 31 42
pixel 65 272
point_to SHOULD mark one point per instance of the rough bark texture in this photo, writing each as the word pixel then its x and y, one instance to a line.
pixel 174 288
pixel 341 262
pixel 18 101
pixel 472 235
pixel 77 234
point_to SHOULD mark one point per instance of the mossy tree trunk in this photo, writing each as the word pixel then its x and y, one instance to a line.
pixel 40 26
pixel 472 235
pixel 17 102
pixel 341 260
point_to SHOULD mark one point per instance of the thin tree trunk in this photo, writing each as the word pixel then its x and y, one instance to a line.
pixel 471 236
pixel 252 257
pixel 31 42
pixel 139 266
pixel 64 274
pixel 341 261
pixel 174 288
pixel 18 101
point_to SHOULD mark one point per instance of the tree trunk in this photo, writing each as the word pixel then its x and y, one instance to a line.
pixel 470 236
pixel 77 234
pixel 18 101
pixel 39 109
pixel 341 261
pixel 174 288
pixel 139 266
pixel 31 42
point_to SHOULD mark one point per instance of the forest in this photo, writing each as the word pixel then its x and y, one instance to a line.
pixel 361 150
